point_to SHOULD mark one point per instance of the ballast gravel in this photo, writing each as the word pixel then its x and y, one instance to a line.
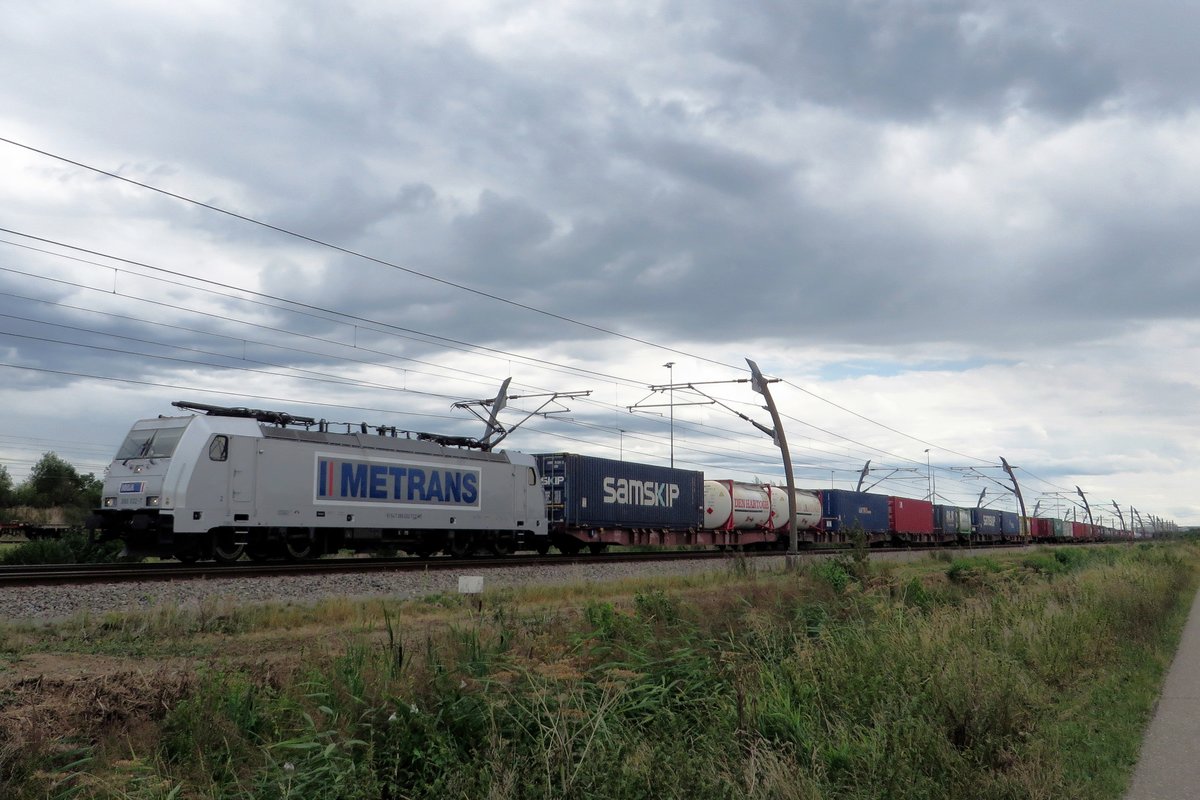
pixel 25 604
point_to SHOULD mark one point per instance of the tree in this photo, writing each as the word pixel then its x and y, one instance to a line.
pixel 90 489
pixel 6 487
pixel 54 482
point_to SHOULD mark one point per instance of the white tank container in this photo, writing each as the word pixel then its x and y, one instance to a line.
pixel 808 509
pixel 731 505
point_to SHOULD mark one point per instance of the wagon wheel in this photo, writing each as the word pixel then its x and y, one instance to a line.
pixel 597 548
pixel 569 547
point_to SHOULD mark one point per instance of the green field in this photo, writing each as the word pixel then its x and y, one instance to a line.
pixel 1014 676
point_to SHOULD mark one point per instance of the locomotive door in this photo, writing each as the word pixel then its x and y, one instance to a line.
pixel 243 466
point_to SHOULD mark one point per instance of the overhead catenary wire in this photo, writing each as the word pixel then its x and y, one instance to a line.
pixel 308 306
pixel 349 251
pixel 463 287
pixel 455 285
pixel 223 318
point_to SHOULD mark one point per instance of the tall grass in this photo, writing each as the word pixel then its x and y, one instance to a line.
pixel 991 678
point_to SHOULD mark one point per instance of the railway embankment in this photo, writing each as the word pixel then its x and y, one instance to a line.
pixel 1014 674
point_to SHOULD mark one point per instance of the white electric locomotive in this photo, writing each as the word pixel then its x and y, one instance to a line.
pixel 265 483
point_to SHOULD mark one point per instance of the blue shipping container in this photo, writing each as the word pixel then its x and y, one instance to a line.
pixel 844 510
pixel 588 492
pixel 1010 523
pixel 986 522
pixel 951 520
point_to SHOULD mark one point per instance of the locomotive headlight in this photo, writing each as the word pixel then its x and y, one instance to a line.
pixel 152 500
pixel 109 502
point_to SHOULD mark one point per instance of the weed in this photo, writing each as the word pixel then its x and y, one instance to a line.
pixel 962 570
pixel 741 567
pixel 319 762
pixel 833 572
pixel 656 605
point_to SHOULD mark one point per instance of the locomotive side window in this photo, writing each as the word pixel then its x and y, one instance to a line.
pixel 218 448
pixel 532 477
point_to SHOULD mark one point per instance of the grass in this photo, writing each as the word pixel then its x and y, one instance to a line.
pixel 994 677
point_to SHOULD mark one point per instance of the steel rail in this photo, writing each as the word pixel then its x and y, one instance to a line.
pixel 68 574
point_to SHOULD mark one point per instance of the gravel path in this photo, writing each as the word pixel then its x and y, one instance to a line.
pixel 53 603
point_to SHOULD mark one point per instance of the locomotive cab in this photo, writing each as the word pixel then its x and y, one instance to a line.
pixel 148 480
pixel 132 500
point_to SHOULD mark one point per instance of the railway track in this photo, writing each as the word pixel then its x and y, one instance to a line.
pixel 60 574
pixel 67 574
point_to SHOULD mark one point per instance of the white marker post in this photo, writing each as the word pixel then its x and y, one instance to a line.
pixel 472 584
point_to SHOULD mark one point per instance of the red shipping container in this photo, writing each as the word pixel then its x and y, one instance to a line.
pixel 906 515
pixel 1040 528
pixel 1081 530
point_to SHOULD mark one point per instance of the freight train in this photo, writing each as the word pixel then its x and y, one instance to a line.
pixel 232 482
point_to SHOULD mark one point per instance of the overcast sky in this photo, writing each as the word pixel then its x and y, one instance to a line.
pixel 967 227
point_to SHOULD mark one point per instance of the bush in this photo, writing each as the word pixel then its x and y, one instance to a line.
pixel 966 569
pixel 833 572
pixel 71 548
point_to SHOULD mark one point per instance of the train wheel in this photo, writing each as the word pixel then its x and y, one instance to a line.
pixel 502 545
pixel 569 547
pixel 542 547
pixel 597 548
pixel 187 556
pixel 461 545
pixel 298 545
pixel 225 550
pixel 228 553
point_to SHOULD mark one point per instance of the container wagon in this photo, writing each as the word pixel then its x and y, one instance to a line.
pixel 596 502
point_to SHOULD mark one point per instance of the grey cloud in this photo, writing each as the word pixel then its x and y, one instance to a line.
pixel 348 205
pixel 911 60
pixel 501 226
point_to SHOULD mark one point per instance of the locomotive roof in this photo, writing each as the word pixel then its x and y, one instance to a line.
pixel 370 441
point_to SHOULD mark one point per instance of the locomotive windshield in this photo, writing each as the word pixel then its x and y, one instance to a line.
pixel 150 443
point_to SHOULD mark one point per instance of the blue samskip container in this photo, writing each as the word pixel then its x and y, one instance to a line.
pixel 589 492
pixel 986 522
pixel 843 510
